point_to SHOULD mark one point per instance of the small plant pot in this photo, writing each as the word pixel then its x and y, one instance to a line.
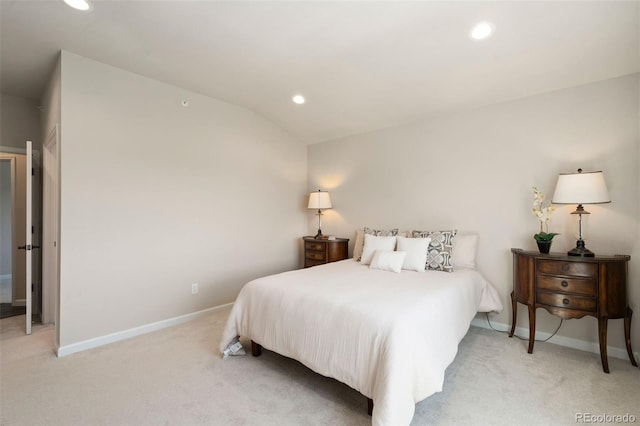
pixel 544 246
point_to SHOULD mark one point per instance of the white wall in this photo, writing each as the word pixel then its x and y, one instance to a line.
pixel 156 196
pixel 51 102
pixel 19 122
pixel 474 170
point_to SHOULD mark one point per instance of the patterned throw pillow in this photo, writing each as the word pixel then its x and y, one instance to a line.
pixel 440 247
pixel 357 250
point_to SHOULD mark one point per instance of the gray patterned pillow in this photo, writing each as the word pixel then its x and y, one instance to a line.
pixel 440 247
pixel 357 250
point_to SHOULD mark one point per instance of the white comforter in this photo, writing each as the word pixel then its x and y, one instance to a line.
pixel 390 336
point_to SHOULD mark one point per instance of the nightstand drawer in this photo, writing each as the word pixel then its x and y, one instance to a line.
pixel 568 301
pixel 318 252
pixel 314 255
pixel 313 246
pixel 586 286
pixel 557 267
pixel 309 262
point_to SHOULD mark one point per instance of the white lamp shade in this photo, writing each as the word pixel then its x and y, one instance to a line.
pixel 581 188
pixel 319 200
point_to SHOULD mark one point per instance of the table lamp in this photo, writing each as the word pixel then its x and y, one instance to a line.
pixel 319 200
pixel 581 188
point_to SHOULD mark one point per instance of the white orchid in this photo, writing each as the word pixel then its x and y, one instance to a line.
pixel 543 214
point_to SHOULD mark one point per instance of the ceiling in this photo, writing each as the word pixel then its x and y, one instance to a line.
pixel 362 66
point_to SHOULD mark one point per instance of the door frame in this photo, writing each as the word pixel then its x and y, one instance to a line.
pixel 50 250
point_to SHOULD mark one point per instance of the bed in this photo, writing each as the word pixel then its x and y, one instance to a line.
pixel 388 335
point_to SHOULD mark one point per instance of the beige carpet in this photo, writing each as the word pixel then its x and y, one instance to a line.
pixel 176 377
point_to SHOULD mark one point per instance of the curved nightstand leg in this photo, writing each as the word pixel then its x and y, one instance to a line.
pixel 602 331
pixel 627 335
pixel 514 313
pixel 532 327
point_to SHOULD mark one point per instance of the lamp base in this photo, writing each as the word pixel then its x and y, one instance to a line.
pixel 319 234
pixel 580 250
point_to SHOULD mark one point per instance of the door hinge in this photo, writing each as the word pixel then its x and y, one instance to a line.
pixel 32 288
pixel 33 171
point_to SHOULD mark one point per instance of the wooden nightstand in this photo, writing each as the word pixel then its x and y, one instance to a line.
pixel 318 252
pixel 573 287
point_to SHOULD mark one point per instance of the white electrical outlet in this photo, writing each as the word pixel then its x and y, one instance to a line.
pixel 194 288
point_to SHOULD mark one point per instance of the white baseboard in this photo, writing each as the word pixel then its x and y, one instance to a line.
pixel 583 345
pixel 620 353
pixel 20 302
pixel 132 332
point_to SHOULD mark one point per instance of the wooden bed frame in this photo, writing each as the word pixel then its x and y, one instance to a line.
pixel 256 350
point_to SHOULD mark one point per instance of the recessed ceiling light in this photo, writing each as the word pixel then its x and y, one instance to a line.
pixel 299 99
pixel 79 4
pixel 481 31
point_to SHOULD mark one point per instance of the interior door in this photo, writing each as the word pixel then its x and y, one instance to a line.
pixel 31 263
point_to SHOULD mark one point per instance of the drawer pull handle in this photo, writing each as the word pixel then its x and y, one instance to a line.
pixel 565 301
pixel 564 284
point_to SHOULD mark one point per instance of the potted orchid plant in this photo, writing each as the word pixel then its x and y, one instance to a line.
pixel 544 237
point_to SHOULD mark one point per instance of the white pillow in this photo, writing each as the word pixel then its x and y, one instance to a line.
pixel 463 254
pixel 416 248
pixel 359 244
pixel 388 260
pixel 373 243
